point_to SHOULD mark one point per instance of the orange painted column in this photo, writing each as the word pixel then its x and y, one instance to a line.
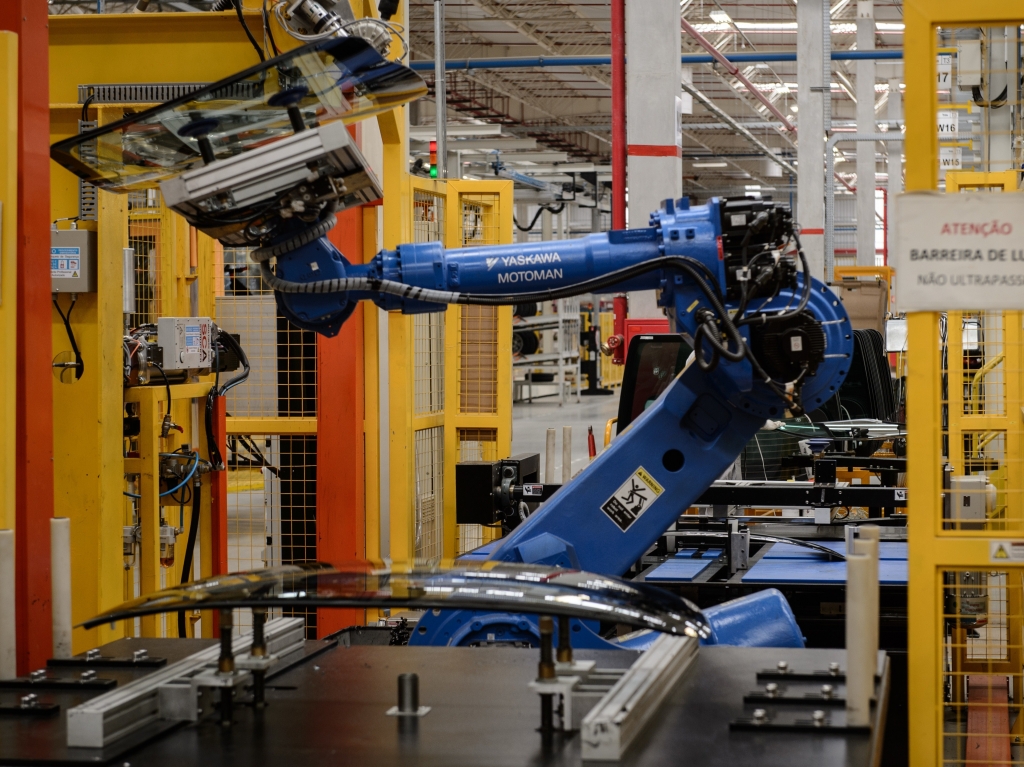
pixel 34 422
pixel 340 457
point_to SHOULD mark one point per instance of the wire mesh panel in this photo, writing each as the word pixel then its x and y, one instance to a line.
pixel 480 221
pixel 271 477
pixel 475 445
pixel 478 325
pixel 478 359
pixel 981 666
pixel 983 392
pixel 429 493
pixel 144 236
pixel 428 329
pixel 254 507
pixel 247 309
pixel 428 216
pixel 428 362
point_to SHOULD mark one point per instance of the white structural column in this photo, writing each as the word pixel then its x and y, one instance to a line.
pixel 894 166
pixel 866 124
pixel 653 76
pixel 810 183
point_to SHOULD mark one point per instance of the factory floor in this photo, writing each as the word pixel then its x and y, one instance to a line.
pixel 530 423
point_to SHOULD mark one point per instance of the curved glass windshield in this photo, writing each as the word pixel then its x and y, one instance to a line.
pixel 500 586
pixel 344 79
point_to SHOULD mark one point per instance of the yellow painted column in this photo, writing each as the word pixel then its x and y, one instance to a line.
pixel 113 216
pixel 371 401
pixel 8 261
pixel 402 457
pixel 88 461
pixel 924 445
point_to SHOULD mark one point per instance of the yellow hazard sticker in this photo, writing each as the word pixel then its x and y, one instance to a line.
pixel 1006 551
pixel 632 499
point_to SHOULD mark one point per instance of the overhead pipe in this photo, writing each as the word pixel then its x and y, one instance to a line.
pixel 731 68
pixel 534 62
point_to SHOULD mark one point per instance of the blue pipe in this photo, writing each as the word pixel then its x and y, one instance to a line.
pixel 597 61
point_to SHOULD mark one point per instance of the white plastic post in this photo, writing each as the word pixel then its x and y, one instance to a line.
pixel 8 636
pixel 861 626
pixel 549 457
pixel 566 454
pixel 868 543
pixel 60 582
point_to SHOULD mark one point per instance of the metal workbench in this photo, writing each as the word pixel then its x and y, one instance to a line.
pixel 330 710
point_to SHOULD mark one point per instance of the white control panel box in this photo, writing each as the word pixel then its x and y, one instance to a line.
pixel 187 342
pixel 72 261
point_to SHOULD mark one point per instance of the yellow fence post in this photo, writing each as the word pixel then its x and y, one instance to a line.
pixel 8 261
pixel 938 642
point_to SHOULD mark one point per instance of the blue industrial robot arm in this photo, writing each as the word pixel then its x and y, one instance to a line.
pixel 768 339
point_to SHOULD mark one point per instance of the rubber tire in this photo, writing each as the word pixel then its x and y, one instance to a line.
pixel 526 340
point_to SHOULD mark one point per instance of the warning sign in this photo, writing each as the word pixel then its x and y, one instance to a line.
pixel 632 499
pixel 958 251
pixel 65 262
pixel 1006 551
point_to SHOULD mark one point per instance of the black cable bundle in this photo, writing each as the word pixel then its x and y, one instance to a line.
pixel 190 547
pixel 79 365
pixel 219 391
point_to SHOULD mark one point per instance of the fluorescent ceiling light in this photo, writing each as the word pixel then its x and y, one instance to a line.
pixel 720 17
pixel 710 165
pixel 568 167
pixel 518 157
pixel 766 26
pixel 753 187
pixel 429 132
pixel 787 27
pixel 705 28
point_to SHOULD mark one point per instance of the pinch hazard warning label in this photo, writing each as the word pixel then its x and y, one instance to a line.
pixel 632 499
pixel 1006 551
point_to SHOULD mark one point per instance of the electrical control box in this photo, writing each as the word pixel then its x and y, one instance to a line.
pixel 973 498
pixel 187 342
pixel 969 64
pixel 72 261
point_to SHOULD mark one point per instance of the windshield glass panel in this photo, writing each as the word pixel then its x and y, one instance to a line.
pixel 517 588
pixel 343 79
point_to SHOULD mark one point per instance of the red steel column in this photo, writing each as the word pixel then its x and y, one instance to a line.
pixel 218 506
pixel 219 494
pixel 34 422
pixel 618 114
pixel 340 460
